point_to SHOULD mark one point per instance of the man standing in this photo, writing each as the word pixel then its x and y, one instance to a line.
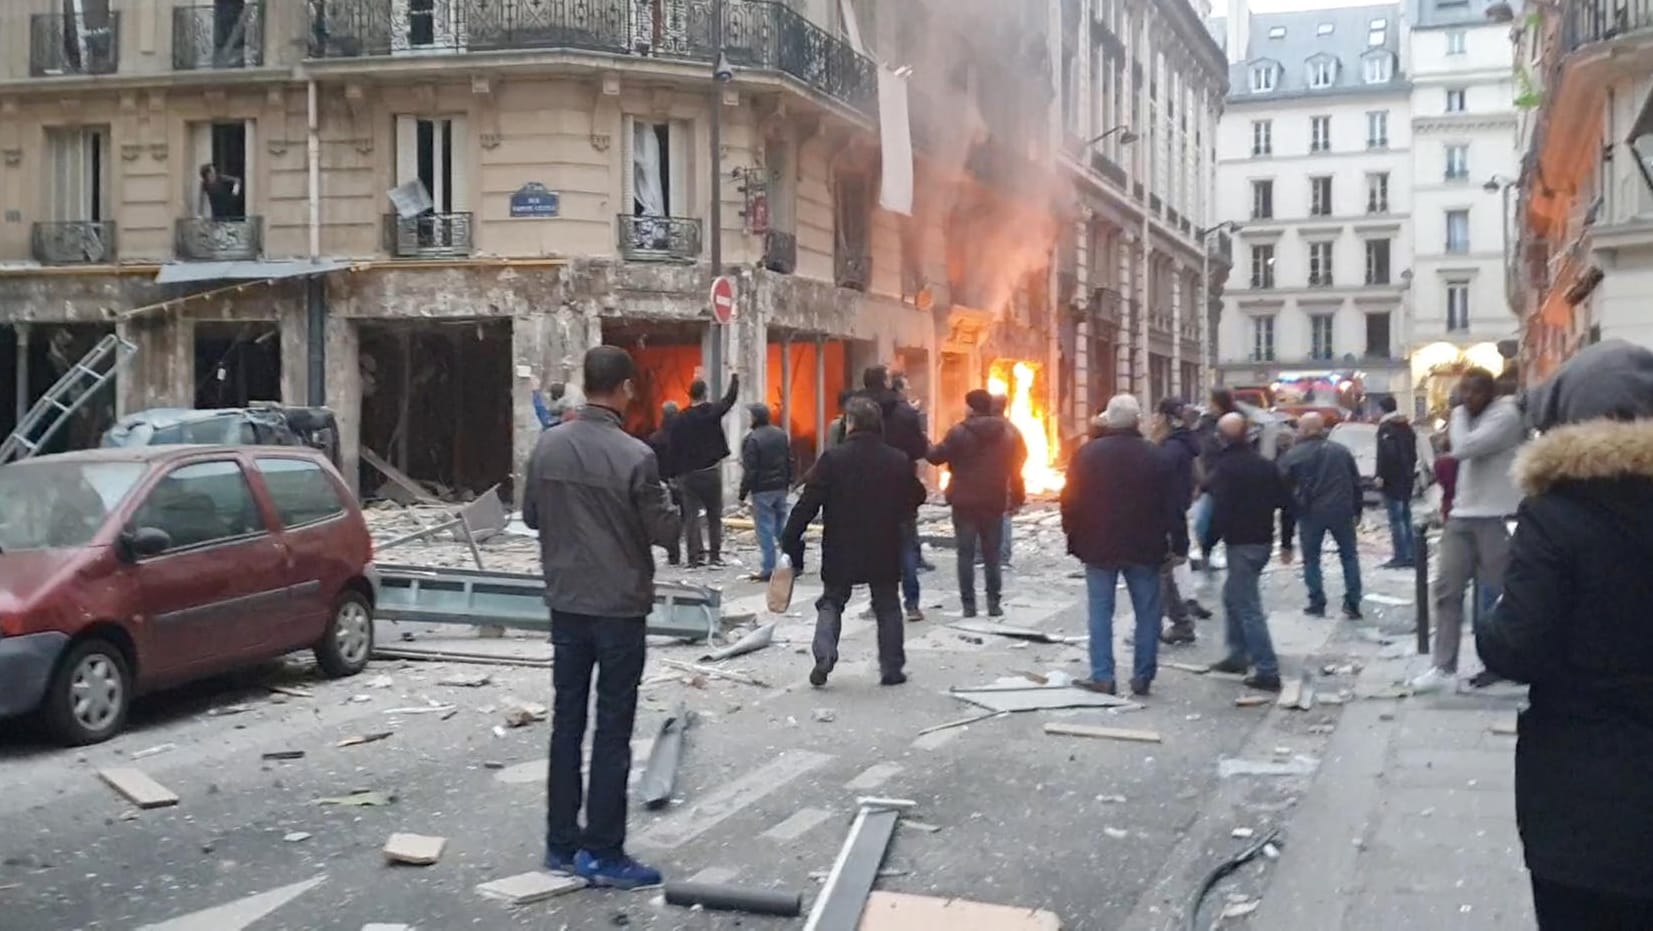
pixel 864 490
pixel 1485 432
pixel 698 450
pixel 1246 490
pixel 766 475
pixel 220 197
pixel 904 431
pixel 1397 465
pixel 985 454
pixel 1221 401
pixel 604 488
pixel 1182 458
pixel 1117 511
pixel 1325 485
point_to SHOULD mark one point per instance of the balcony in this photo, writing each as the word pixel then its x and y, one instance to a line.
pixel 1221 247
pixel 1320 279
pixel 429 235
pixel 853 271
pixel 1588 21
pixel 74 242
pixel 780 252
pixel 659 239
pixel 61 45
pixel 202 239
pixel 760 35
pixel 1108 168
pixel 214 38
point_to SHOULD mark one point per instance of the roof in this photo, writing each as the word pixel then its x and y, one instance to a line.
pixel 1291 39
pixel 163 417
pixel 165 452
pixel 1432 14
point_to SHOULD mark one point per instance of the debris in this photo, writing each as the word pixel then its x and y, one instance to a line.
pixel 398 477
pixel 1252 701
pixel 443 656
pixel 1016 633
pixel 924 826
pixel 228 710
pixel 1503 728
pixel 360 739
pixel 361 699
pixel 291 692
pixel 1111 799
pixel 1055 728
pixel 1297 766
pixel 962 722
pixel 895 911
pixel 824 715
pixel 381 682
pixel 1222 869
pixel 414 849
pixel 492 764
pixel 878 802
pixel 717 897
pixel 660 773
pixel 527 888
pixel 154 751
pixel 1036 697
pixel 1271 851
pixel 1291 693
pixel 141 790
pixel 1241 908
pixel 426 709
pixel 1198 670
pixel 297 837
pixel 1242 833
pixel 716 673
pixel 1035 677
pixel 1116 833
pixel 751 643
pixel 520 713
pixel 1390 600
pixel 284 755
pixel 472 681
pixel 844 895
pixel 364 799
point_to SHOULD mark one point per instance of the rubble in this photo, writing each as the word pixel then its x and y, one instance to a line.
pixel 364 739
pixel 154 751
pixel 366 798
pixel 1058 729
pixel 138 788
pixel 1299 765
pixel 528 888
pixel 414 849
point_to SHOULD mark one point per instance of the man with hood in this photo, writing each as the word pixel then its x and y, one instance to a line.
pixel 1221 401
pixel 1325 485
pixel 1182 457
pixel 985 454
pixel 1572 624
pixel 1397 465
pixel 766 475
pixel 698 450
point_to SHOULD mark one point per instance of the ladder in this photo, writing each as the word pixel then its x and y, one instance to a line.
pixel 52 411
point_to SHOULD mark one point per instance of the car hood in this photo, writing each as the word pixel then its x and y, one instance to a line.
pixel 25 574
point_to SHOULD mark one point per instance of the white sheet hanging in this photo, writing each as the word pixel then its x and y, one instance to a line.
pixel 895 194
pixel 647 188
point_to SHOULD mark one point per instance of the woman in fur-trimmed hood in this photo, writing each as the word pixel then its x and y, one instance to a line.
pixel 1576 623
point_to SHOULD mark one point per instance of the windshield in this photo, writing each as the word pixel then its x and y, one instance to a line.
pixel 50 505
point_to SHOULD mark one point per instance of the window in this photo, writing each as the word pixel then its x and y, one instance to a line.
pixel 1263 78
pixel 301 490
pixel 78 187
pixel 1377 261
pixel 1262 200
pixel 1322 72
pixel 1455 42
pixel 1320 133
pixel 1320 336
pixel 1457 162
pixel 1457 231
pixel 1320 196
pixel 1277 32
pixel 418 25
pixel 48 504
pixel 1377 129
pixel 1377 336
pixel 1377 32
pixel 1324 29
pixel 1262 137
pixel 1377 192
pixel 1262 339
pixel 1320 264
pixel 1262 266
pixel 198 504
pixel 1454 100
pixel 224 147
pixel 1457 306
pixel 1379 68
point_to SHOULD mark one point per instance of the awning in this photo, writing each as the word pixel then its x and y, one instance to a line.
pixel 187 272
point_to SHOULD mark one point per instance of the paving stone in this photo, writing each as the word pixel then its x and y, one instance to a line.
pixel 525 888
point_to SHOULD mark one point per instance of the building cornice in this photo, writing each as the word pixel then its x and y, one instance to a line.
pixel 1338 154
pixel 1401 89
pixel 1463 122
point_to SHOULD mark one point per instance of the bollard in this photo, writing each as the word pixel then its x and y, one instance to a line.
pixel 1421 583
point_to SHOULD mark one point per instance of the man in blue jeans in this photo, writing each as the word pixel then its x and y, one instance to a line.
pixel 603 506
pixel 1397 469
pixel 1325 486
pixel 1117 511
pixel 766 475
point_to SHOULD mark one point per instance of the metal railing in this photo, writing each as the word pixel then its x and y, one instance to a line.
pixel 74 242
pixel 853 271
pixel 63 45
pixel 657 239
pixel 780 252
pixel 215 37
pixel 761 35
pixel 204 239
pixel 429 234
pixel 1587 21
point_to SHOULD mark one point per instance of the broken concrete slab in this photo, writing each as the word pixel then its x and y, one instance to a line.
pixel 1027 697
pixel 138 788
pixel 895 911
pixel 527 888
pixel 414 849
pixel 1059 729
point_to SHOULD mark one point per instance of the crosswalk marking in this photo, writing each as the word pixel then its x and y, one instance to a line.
pixel 798 824
pixel 237 915
pixel 688 823
pixel 872 777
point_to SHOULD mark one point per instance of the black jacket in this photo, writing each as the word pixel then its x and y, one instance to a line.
pixel 1324 480
pixel 1246 491
pixel 697 440
pixel 1119 505
pixel 1397 457
pixel 1573 622
pixel 986 455
pixel 864 490
pixel 902 427
pixel 765 460
pixel 1182 451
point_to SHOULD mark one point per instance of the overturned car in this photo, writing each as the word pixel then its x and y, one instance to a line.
pixel 267 424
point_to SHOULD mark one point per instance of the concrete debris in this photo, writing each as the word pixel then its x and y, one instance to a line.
pixel 1021 695
pixel 1296 766
pixel 381 682
pixel 154 751
pixel 467 681
pixel 360 739
pixel 1015 633
pixel 528 888
pixel 363 799
pixel 414 849
pixel 1341 669
pixel 892 911
pixel 361 699
pixel 1390 600
pixel 1111 799
pixel 1055 728
pixel 1503 729
pixel 824 715
pixel 924 826
pixel 1241 908
pixel 1396 651
pixel 1116 833
pixel 1253 701
pixel 521 713
pixel 291 692
pixel 296 837
pixel 660 773
pixel 283 755
pixel 1242 833
pixel 138 788
pixel 713 672
pixel 751 643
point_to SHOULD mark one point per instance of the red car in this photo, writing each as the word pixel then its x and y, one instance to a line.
pixel 123 571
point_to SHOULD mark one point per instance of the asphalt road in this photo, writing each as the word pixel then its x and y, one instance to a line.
pixel 1103 833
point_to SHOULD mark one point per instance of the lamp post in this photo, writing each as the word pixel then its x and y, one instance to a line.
pixel 721 75
pixel 1200 235
pixel 1495 185
pixel 1126 137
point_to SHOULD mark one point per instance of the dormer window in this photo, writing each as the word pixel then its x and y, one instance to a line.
pixel 1379 67
pixel 1322 71
pixel 1277 32
pixel 1324 29
pixel 1377 32
pixel 1265 76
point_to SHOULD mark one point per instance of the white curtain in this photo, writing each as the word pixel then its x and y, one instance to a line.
pixel 645 162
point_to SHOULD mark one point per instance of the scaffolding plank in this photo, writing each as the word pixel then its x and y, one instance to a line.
pixel 844 895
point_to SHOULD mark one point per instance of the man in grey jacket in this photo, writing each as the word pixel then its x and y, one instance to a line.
pixel 604 507
pixel 1325 486
pixel 1486 431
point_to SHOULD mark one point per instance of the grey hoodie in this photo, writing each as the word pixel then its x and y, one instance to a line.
pixel 1485 448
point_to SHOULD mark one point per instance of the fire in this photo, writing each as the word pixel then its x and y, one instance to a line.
pixel 1039 474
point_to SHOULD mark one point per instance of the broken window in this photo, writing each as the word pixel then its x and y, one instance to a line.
pixel 658 188
pixel 431 151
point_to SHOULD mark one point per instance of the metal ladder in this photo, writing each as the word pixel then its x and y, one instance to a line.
pixel 52 411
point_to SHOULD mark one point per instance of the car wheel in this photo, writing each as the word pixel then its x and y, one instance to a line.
pixel 87 700
pixel 345 647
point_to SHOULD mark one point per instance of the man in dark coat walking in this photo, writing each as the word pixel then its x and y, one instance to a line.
pixel 985 455
pixel 766 475
pixel 903 430
pixel 864 490
pixel 1573 623
pixel 1325 484
pixel 1397 467
pixel 698 449
pixel 1182 457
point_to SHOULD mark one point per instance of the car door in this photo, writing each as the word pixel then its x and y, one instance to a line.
pixel 209 596
pixel 308 505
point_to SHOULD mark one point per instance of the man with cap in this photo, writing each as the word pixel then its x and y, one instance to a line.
pixel 766 475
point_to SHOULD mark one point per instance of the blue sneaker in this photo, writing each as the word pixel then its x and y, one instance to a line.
pixel 558 862
pixel 619 873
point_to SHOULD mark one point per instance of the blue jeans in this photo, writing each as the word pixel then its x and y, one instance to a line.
pixel 1142 583
pixel 614 648
pixel 769 513
pixel 909 565
pixel 1202 525
pixel 1312 531
pixel 1246 630
pixel 1401 533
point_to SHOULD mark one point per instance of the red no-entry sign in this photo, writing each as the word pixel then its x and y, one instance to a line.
pixel 723 299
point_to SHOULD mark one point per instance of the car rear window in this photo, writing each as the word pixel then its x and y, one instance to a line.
pixel 301 491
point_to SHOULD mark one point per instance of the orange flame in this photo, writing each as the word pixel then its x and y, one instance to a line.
pixel 1039 474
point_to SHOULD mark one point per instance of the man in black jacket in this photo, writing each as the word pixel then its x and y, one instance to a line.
pixel 1325 485
pixel 903 430
pixel 698 449
pixel 985 454
pixel 766 475
pixel 1397 465
pixel 1221 402
pixel 1246 491
pixel 865 491
pixel 1182 456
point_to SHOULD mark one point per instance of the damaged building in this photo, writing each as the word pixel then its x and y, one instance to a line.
pixel 418 211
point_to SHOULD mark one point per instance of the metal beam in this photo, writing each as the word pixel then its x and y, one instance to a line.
pixel 844 895
pixel 660 775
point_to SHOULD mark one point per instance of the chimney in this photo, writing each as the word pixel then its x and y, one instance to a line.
pixel 1239 31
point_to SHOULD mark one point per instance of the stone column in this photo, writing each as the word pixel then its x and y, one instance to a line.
pixel 344 393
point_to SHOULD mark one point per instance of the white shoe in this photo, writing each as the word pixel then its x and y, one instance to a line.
pixel 1433 679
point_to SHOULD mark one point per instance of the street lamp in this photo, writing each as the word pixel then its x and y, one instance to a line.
pixel 1126 136
pixel 1200 236
pixel 1495 185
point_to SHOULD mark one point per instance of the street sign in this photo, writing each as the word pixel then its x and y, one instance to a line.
pixel 723 299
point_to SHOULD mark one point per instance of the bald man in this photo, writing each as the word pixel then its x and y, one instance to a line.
pixel 1325 487
pixel 1246 492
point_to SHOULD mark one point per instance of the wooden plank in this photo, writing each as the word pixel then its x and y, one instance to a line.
pixel 141 790
pixel 1107 733
pixel 894 911
pixel 1252 701
pixel 398 477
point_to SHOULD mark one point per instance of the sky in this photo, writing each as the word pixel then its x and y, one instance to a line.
pixel 1220 7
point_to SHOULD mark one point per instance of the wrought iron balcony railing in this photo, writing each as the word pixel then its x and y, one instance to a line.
pixel 74 242
pixel 203 239
pixel 63 45
pixel 1587 21
pixel 853 271
pixel 780 252
pixel 429 235
pixel 215 37
pixel 659 239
